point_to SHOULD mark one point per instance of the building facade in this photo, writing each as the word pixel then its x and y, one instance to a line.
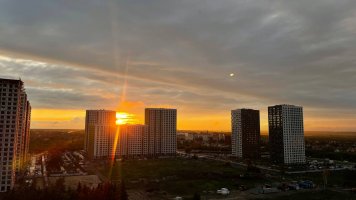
pixel 24 133
pixel 162 131
pixel 245 136
pixel 286 134
pixel 100 134
pixel 15 116
pixel 133 141
pixel 104 139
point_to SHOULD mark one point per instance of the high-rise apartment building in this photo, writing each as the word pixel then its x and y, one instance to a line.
pixel 100 134
pixel 286 134
pixel 245 125
pixel 26 140
pixel 104 139
pixel 162 131
pixel 133 141
pixel 15 115
pixel 24 133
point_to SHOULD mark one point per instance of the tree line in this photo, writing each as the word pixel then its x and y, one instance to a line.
pixel 58 191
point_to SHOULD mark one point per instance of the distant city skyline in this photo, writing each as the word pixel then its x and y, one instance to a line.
pixel 204 58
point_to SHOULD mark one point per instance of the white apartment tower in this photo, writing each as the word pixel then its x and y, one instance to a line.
pixel 162 131
pixel 133 141
pixel 15 114
pixel 236 134
pixel 100 134
pixel 104 139
pixel 286 134
pixel 245 136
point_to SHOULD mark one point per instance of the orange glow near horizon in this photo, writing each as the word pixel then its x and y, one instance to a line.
pixel 56 114
pixel 75 119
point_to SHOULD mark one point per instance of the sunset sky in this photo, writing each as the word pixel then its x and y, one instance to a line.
pixel 77 55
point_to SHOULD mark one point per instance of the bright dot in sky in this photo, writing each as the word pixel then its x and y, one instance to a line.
pixel 232 74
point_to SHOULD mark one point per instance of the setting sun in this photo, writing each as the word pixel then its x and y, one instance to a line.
pixel 125 118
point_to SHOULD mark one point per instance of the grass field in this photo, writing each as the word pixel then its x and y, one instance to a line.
pixel 179 176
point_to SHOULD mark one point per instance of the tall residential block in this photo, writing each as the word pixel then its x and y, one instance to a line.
pixel 100 134
pixel 15 116
pixel 245 125
pixel 133 141
pixel 104 139
pixel 162 131
pixel 286 134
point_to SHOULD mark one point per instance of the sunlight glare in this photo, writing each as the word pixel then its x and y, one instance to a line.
pixel 124 118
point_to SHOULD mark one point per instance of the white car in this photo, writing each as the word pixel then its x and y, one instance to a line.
pixel 223 191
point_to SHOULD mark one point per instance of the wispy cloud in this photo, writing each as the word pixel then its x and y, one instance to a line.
pixel 73 55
